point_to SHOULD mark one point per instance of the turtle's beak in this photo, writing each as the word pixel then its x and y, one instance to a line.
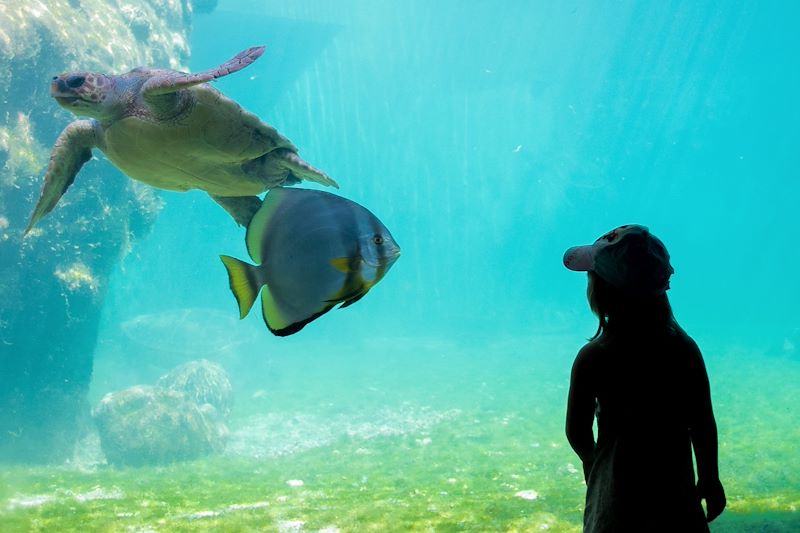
pixel 63 94
pixel 66 100
pixel 58 87
pixel 77 92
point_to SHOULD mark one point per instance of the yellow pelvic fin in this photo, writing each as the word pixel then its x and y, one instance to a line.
pixel 342 264
pixel 243 281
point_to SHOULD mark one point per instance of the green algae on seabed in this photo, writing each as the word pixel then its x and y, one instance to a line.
pixel 462 475
pixel 437 479
pixel 457 460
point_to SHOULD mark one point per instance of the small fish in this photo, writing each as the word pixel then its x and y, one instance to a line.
pixel 314 250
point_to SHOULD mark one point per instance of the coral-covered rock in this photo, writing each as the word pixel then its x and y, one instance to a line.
pixel 204 382
pixel 146 425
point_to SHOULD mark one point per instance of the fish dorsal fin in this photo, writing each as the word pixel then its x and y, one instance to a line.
pixel 260 221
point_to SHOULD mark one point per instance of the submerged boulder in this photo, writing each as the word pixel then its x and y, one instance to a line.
pixel 146 425
pixel 204 382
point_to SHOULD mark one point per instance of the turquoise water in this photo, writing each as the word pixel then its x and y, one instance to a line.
pixel 489 138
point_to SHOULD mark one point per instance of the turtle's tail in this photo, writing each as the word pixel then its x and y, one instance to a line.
pixel 298 167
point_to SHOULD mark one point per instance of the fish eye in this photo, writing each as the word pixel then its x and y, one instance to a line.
pixel 73 82
pixel 377 239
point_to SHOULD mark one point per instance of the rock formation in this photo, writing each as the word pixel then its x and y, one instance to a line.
pixel 52 282
pixel 146 425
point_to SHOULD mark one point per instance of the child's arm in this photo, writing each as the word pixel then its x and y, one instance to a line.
pixel 580 410
pixel 704 440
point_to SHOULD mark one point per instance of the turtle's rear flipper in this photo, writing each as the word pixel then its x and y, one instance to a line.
pixel 175 81
pixel 241 208
pixel 302 170
pixel 73 148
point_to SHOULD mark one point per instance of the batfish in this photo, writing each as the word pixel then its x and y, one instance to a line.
pixel 314 250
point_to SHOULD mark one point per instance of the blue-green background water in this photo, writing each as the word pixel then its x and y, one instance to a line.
pixel 489 138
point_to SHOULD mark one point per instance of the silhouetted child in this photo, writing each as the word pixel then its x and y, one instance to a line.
pixel 644 379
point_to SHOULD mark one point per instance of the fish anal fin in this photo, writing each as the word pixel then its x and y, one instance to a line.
pixel 291 329
pixel 277 323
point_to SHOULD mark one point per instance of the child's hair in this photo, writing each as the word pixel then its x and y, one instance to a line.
pixel 615 307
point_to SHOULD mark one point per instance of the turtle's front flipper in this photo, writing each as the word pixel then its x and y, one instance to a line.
pixel 241 208
pixel 175 81
pixel 302 170
pixel 73 148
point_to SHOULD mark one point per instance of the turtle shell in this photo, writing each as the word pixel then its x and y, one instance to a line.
pixel 204 146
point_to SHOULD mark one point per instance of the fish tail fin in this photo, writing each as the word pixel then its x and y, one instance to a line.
pixel 244 281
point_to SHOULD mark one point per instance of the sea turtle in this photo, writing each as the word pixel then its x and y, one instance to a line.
pixel 172 130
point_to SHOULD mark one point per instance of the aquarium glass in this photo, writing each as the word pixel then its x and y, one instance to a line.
pixel 489 138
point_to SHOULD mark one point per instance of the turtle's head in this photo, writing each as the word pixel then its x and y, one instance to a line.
pixel 87 94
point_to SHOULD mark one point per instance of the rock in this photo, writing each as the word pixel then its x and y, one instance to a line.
pixel 53 282
pixel 204 382
pixel 137 21
pixel 146 425
pixel 527 495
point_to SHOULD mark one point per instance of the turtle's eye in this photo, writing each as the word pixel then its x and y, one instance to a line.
pixel 73 82
pixel 377 239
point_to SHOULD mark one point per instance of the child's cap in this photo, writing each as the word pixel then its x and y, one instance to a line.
pixel 630 258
